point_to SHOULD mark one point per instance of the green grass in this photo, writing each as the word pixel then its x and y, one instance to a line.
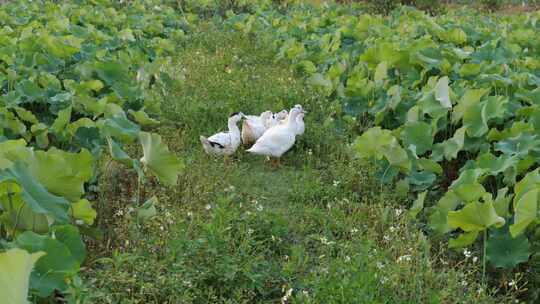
pixel 243 232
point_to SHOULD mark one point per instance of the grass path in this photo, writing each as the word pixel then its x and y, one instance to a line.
pixel 317 230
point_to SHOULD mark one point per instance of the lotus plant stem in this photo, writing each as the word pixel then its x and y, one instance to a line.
pixel 484 260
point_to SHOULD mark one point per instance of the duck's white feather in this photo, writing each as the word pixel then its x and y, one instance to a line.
pixel 278 139
pixel 224 143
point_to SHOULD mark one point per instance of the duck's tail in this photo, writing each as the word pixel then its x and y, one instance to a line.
pixel 206 143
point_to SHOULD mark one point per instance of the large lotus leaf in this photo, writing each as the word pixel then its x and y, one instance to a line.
pixel 112 72
pixel 157 158
pixel 35 194
pixel 419 135
pixel 476 117
pixel 82 210
pixel 502 202
pixel 418 204
pixel 62 173
pixel 142 118
pixel 120 127
pixel 463 240
pixel 468 176
pixel 80 123
pixel 30 90
pixel 504 251
pixel 515 130
pixel 16 265
pixel 26 115
pixel 470 192
pixel 50 271
pixel 525 211
pixel 381 72
pixel 521 145
pixel 470 69
pixel 379 143
pixel 470 98
pixel 11 151
pixel 442 92
pixel 475 216
pixel 495 165
pixel 438 219
pixel 429 166
pixel 69 235
pixel 118 154
pixel 451 147
pixel 18 216
pixel 531 181
pixel 59 125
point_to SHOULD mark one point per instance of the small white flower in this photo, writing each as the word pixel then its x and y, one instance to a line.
pixel 404 258
pixel 380 265
pixel 398 211
pixel 347 258
pixel 354 230
pixel 467 253
pixel 336 183
pixel 475 259
pixel 285 298
pixel 392 229
pixel 208 207
pixel 259 207
pixel 310 152
pixel 250 231
pixel 386 238
pixel 464 283
pixel 190 214
pixel 384 280
pixel 161 228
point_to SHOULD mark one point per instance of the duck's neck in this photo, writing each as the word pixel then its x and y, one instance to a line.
pixel 233 128
pixel 291 120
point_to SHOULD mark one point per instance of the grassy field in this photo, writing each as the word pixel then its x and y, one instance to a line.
pixel 318 230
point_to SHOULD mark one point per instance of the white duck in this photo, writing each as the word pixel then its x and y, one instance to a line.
pixel 224 143
pixel 276 119
pixel 301 127
pixel 278 139
pixel 254 127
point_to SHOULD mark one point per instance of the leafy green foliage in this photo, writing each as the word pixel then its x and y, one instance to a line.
pixel 504 251
pixel 16 265
pixel 74 77
pixel 452 102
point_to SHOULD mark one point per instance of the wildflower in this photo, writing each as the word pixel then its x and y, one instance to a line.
pixel 398 211
pixel 285 298
pixel 475 259
pixel 464 283
pixel 250 231
pixel 384 280
pixel 325 241
pixel 336 183
pixel 354 230
pixel 380 265
pixel 208 207
pixel 259 207
pixel 190 214
pixel 406 258
pixel 347 258
pixel 467 253
pixel 392 229
pixel 386 238
pixel 309 152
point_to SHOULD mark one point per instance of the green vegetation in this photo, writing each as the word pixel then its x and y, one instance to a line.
pixel 242 232
pixel 417 180
pixel 75 82
pixel 453 108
